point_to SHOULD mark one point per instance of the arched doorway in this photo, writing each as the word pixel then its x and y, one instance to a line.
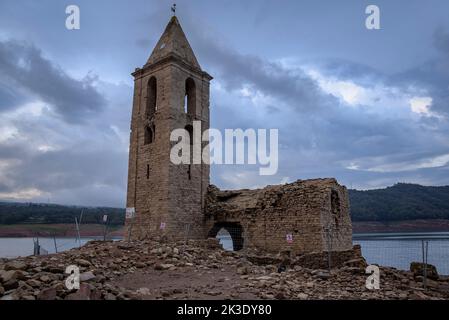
pixel 233 230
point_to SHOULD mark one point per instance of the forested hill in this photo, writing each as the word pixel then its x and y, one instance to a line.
pixel 30 213
pixel 402 201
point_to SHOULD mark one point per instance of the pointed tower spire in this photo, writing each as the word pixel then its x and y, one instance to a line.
pixel 173 42
pixel 170 92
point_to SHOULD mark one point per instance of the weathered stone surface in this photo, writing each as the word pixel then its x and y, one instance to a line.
pixel 307 212
pixel 15 265
pixel 168 198
pixel 200 272
pixel 163 266
pixel 34 283
pixel 444 287
pixel 323 275
pixel 110 296
pixel 175 201
pixel 54 269
pixel 357 263
pixel 263 260
pixel 87 276
pixel 418 270
pixel 83 262
pixel 47 294
pixel 302 296
pixel 11 284
pixel 83 293
pixel 6 276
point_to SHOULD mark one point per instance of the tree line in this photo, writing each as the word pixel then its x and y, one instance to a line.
pixel 31 213
pixel 402 201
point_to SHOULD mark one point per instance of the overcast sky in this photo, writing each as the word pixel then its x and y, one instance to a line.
pixel 369 107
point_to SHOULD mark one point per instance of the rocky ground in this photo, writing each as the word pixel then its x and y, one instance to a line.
pixel 197 270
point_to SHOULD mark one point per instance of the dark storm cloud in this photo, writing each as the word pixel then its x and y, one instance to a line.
pixel 270 77
pixel 432 75
pixel 345 131
pixel 441 40
pixel 441 90
pixel 77 153
pixel 9 98
pixel 66 169
pixel 13 151
pixel 24 66
pixel 349 70
pixel 325 135
pixel 234 69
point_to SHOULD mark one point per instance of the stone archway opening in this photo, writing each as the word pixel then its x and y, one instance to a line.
pixel 225 239
pixel 230 235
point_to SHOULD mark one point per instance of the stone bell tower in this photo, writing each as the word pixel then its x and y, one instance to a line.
pixel 170 92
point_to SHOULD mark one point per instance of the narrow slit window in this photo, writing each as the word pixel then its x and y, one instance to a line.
pixel 189 130
pixel 190 97
pixel 149 135
pixel 151 97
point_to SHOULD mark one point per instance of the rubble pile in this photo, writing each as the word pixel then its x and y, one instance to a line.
pixel 155 269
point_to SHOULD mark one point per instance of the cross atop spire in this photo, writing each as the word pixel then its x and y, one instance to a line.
pixel 173 9
pixel 173 42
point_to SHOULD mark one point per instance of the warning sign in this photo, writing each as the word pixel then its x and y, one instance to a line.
pixel 130 212
pixel 162 225
pixel 289 238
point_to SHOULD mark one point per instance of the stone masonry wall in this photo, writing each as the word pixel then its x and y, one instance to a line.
pixel 314 212
pixel 160 191
pixel 175 201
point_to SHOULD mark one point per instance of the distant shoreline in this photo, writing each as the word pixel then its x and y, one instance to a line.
pixel 95 230
pixel 431 225
pixel 57 230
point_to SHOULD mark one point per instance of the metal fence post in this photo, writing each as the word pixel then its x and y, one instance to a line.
pixel 54 240
pixel 36 246
pixel 78 231
pixel 425 247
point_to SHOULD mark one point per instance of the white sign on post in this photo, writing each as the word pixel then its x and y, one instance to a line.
pixel 130 212
pixel 105 218
pixel 162 225
pixel 289 238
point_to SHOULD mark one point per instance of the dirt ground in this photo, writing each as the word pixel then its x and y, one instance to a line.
pixel 215 284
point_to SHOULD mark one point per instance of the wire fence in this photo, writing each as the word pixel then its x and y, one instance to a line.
pixel 55 245
pixel 400 250
pixel 38 250
pixel 391 250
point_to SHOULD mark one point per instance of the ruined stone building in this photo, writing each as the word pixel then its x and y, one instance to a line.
pixel 170 92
